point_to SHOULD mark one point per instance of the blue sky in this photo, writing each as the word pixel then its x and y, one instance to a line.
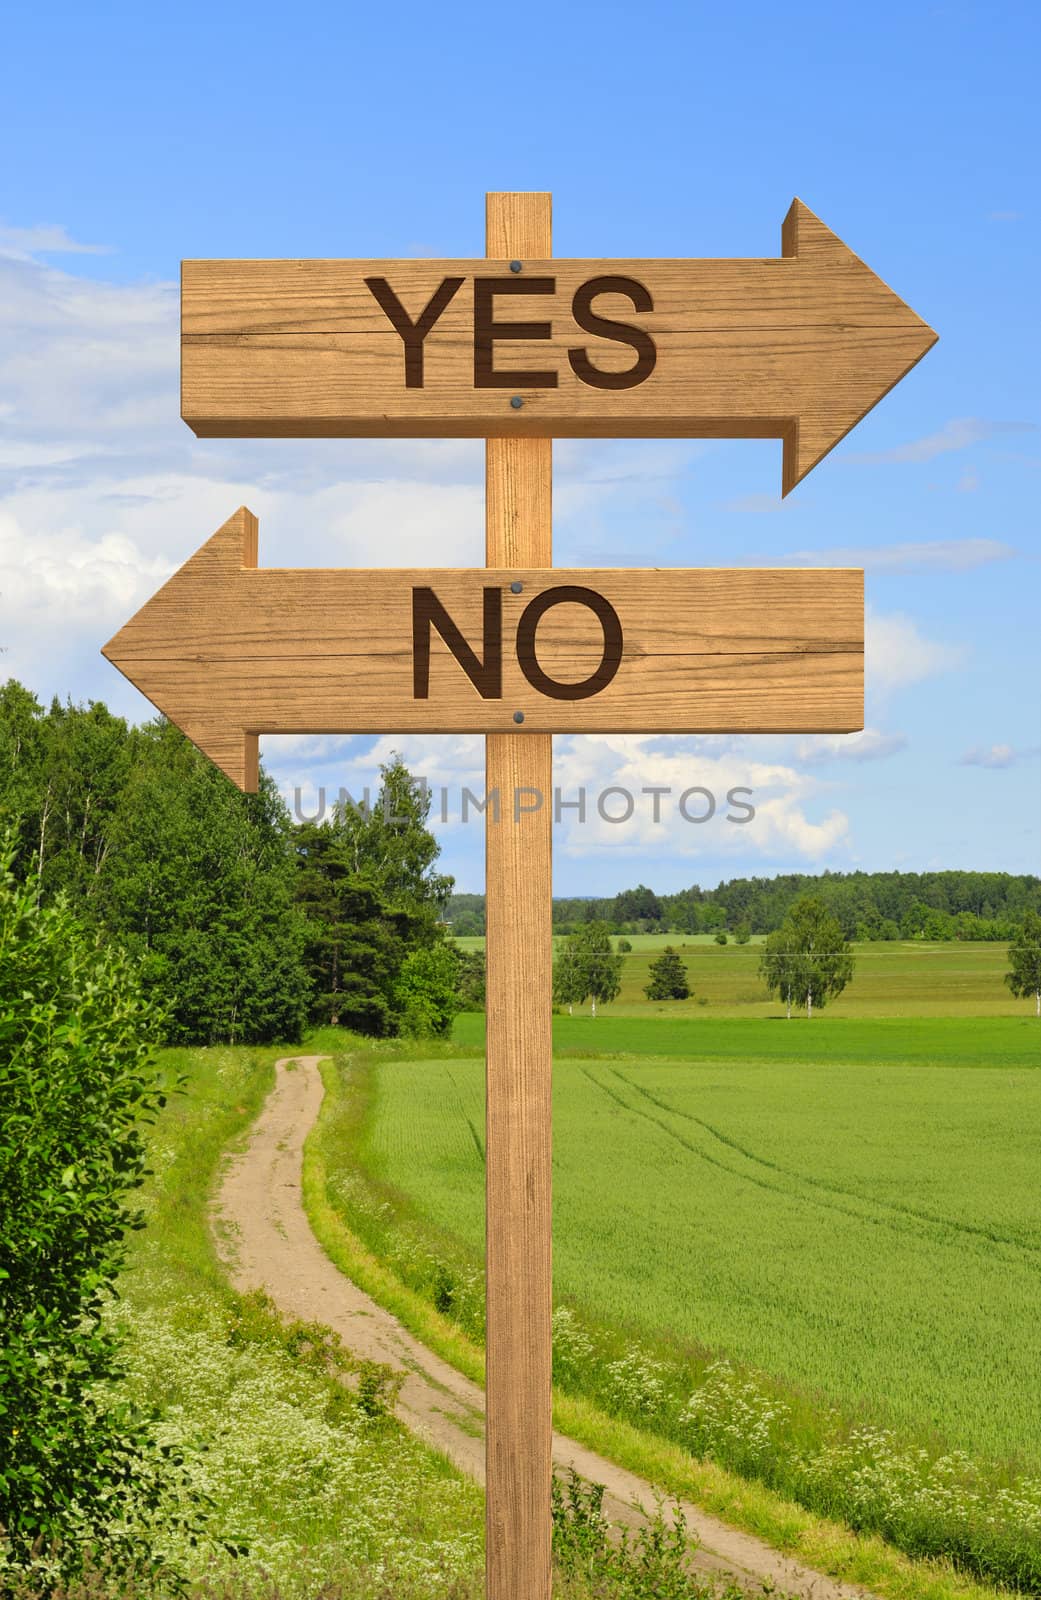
pixel 135 137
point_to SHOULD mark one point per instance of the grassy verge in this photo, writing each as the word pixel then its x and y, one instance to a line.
pixel 435 1289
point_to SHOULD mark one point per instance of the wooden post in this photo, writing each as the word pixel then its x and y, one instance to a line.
pixel 519 1039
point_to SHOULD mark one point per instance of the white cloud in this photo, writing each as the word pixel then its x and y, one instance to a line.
pixel 870 744
pixel 998 755
pixel 955 435
pixel 47 238
pixel 897 654
pixel 926 555
pixel 71 576
pixel 89 366
pixel 758 504
pixel 784 825
pixel 789 822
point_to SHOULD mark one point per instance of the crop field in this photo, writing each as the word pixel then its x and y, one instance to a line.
pixel 852 1208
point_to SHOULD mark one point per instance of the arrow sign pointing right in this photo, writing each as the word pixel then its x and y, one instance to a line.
pixel 796 348
pixel 228 651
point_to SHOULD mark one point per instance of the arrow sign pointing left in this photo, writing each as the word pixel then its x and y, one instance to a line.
pixel 229 651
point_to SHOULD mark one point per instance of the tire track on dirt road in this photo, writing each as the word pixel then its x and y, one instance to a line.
pixel 265 1242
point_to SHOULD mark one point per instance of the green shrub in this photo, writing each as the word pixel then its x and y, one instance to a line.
pixel 655 1565
pixel 471 979
pixel 76 1084
pixel 427 991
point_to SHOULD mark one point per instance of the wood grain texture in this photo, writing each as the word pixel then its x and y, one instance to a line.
pixel 798 348
pixel 228 651
pixel 519 889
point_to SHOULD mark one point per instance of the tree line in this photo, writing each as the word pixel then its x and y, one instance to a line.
pixel 245 926
pixel 866 905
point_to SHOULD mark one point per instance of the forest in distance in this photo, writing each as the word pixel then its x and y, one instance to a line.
pixel 868 905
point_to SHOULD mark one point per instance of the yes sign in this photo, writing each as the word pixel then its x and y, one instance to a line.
pixel 487 329
pixel 795 347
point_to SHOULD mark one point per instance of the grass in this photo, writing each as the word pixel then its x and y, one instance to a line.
pixel 903 978
pixel 971 1042
pixel 842 1226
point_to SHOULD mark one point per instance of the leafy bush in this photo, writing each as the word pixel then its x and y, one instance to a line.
pixel 472 978
pixel 730 1418
pixel 636 1385
pixel 572 1346
pixel 655 1565
pixel 76 1084
pixel 930 1505
pixel 427 991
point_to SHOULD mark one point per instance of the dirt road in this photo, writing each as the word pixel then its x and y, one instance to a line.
pixel 266 1243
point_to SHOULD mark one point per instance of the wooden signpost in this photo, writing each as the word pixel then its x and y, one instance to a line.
pixel 518 348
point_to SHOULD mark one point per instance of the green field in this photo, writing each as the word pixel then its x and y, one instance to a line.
pixel 902 978
pixel 852 1207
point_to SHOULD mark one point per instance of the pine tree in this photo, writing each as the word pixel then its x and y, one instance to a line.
pixel 371 898
pixel 354 944
pixel 389 844
pixel 668 977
